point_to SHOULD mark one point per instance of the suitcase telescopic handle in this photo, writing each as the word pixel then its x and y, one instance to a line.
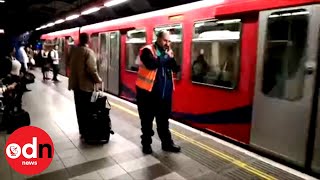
pixel 96 90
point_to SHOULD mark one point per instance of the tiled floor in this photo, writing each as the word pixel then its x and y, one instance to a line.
pixel 51 108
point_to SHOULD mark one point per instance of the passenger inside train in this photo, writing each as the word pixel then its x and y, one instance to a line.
pixel 200 68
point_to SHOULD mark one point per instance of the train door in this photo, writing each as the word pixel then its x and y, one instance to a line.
pixel 114 63
pixel 316 124
pixel 68 43
pixel 109 55
pixel 285 81
pixel 60 42
pixel 104 57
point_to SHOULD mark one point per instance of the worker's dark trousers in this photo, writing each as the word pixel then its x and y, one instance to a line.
pixel 151 106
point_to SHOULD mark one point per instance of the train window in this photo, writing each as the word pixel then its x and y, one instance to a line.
pixel 176 42
pixel 136 39
pixel 285 46
pixel 215 53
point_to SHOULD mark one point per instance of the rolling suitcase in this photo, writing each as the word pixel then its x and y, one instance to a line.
pixel 99 127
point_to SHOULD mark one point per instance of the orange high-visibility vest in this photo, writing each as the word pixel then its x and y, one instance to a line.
pixel 146 77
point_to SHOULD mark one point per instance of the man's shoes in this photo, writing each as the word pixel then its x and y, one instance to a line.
pixel 171 148
pixel 147 149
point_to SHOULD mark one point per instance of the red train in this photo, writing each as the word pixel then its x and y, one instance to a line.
pixel 249 68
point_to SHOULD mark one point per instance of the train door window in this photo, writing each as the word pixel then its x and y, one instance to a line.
pixel 176 41
pixel 70 40
pixel 286 36
pixel 103 54
pixel 56 40
pixel 136 39
pixel 70 43
pixel 215 53
pixel 60 43
pixel 95 43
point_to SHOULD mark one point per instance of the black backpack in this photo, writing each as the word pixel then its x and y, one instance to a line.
pixel 5 67
pixel 14 117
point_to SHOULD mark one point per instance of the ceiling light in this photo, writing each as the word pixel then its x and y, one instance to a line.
pixel 91 10
pixel 59 21
pixel 38 28
pixel 50 24
pixel 2 1
pixel 1 31
pixel 114 2
pixel 72 17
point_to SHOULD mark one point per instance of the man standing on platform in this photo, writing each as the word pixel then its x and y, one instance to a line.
pixel 155 85
pixel 55 62
pixel 83 77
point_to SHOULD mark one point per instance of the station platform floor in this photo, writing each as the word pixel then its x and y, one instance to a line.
pixel 51 107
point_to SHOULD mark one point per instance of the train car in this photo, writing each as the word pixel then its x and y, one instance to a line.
pixel 249 69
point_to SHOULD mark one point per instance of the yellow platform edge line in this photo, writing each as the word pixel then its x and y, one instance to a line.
pixel 220 154
pixel 225 157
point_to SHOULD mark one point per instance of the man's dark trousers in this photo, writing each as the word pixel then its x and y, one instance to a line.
pixel 55 69
pixel 82 102
pixel 150 106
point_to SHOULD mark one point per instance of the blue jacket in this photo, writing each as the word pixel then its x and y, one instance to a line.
pixel 163 83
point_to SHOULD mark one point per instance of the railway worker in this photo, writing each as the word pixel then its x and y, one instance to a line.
pixel 83 76
pixel 154 91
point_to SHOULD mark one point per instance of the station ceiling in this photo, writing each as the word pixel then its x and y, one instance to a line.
pixel 18 16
